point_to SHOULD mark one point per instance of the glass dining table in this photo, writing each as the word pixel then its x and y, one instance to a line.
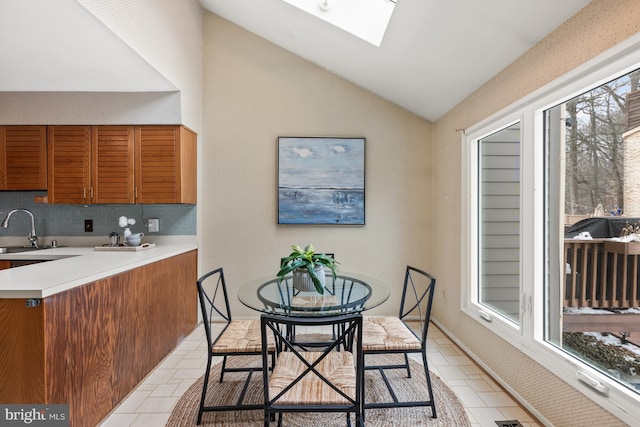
pixel 347 293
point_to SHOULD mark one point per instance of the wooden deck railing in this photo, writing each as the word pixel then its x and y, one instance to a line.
pixel 601 274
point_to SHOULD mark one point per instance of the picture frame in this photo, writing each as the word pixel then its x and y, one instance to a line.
pixel 321 180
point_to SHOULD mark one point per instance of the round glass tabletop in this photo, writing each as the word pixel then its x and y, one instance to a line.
pixel 348 293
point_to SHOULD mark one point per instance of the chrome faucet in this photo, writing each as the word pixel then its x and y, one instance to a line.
pixel 33 238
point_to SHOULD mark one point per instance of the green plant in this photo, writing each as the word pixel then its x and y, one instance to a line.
pixel 308 259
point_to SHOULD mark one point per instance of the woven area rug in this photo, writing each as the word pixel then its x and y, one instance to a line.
pixel 449 409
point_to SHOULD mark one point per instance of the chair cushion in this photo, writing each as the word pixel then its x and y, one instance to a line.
pixel 338 367
pixel 242 336
pixel 387 334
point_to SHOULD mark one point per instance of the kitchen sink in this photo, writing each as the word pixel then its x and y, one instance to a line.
pixel 16 249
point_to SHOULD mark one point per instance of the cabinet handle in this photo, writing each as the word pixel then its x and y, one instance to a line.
pixel 84 192
pixel 91 192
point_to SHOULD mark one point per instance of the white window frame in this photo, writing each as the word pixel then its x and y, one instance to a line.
pixel 471 164
pixel 528 336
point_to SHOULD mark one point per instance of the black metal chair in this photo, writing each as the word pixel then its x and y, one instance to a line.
pixel 236 338
pixel 392 335
pixel 328 379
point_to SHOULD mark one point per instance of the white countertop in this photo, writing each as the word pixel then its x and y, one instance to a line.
pixel 74 266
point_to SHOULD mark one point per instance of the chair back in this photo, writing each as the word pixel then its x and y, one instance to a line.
pixel 348 338
pixel 417 298
pixel 214 301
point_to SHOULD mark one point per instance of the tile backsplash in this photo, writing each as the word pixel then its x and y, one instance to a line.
pixel 68 220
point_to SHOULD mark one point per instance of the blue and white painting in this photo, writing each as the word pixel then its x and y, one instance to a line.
pixel 321 181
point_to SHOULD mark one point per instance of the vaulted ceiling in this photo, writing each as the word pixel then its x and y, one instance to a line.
pixel 58 46
pixel 434 52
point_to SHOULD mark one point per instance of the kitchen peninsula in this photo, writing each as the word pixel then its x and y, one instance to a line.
pixel 84 327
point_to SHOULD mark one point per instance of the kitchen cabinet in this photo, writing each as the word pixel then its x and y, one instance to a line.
pixel 89 346
pixel 23 158
pixel 121 164
pixel 69 161
pixel 112 154
pixel 5 264
pixel 90 164
pixel 165 164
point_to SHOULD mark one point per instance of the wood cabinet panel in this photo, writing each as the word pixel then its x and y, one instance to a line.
pixel 69 161
pixel 165 164
pixel 112 164
pixel 102 338
pixel 122 164
pixel 21 353
pixel 23 158
pixel 80 348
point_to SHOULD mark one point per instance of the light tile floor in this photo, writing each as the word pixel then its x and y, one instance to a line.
pixel 150 404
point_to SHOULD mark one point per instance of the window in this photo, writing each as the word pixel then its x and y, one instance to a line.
pixel 499 222
pixel 593 184
pixel 366 19
pixel 567 152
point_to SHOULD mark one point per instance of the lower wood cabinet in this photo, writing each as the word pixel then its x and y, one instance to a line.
pixel 90 346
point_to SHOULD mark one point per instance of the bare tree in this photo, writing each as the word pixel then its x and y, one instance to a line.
pixel 572 158
pixel 594 147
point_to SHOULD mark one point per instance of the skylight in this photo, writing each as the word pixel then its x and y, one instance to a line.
pixel 366 19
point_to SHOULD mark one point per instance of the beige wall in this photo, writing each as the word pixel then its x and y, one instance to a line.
pixel 254 92
pixel 598 27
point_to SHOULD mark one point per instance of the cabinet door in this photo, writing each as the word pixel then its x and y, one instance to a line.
pixel 3 158
pixel 112 165
pixel 165 164
pixel 69 161
pixel 23 157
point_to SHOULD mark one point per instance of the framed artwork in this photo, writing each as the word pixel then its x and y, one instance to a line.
pixel 321 180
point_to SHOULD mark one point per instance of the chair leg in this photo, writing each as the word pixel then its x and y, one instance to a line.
pixel 406 362
pixel 224 364
pixel 426 373
pixel 204 391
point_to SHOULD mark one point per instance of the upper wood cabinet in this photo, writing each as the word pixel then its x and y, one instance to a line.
pixel 69 160
pixel 165 164
pixel 23 158
pixel 121 164
pixel 112 176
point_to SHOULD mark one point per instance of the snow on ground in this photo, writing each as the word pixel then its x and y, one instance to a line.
pixel 589 310
pixel 613 340
pixel 585 310
pixel 608 339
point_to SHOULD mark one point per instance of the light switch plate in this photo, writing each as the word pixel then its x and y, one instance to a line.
pixel 153 225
